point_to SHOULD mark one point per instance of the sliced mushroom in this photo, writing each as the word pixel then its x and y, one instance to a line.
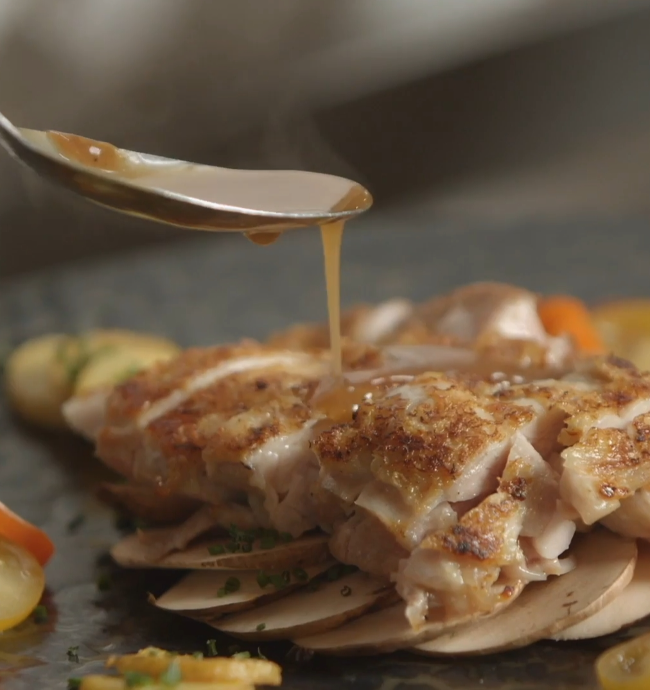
pixel 630 606
pixel 213 554
pixel 388 630
pixel 207 595
pixel 604 567
pixel 310 610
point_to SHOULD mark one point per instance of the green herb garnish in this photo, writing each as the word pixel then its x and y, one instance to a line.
pixel 217 550
pixel 241 655
pixel 41 614
pixel 74 683
pixel 172 675
pixel 233 584
pixel 212 647
pixel 197 655
pixel 267 542
pixel 73 654
pixel 277 581
pixel 260 627
pixel 263 579
pixel 260 655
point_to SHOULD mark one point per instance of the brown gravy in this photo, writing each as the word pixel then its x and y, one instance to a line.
pixel 91 153
pixel 278 191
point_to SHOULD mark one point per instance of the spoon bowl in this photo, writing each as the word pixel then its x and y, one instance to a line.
pixel 184 194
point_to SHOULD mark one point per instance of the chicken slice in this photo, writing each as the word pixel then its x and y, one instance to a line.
pixel 632 519
pixel 413 447
pixel 233 425
pixel 466 567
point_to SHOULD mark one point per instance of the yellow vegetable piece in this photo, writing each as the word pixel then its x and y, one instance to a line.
pixel 22 582
pixel 115 683
pixel 119 363
pixel 625 328
pixel 44 372
pixel 626 666
pixel 38 379
pixel 154 662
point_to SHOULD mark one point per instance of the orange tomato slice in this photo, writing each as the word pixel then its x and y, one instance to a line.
pixel 22 582
pixel 23 533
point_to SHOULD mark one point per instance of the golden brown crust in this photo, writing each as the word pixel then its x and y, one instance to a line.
pixel 423 439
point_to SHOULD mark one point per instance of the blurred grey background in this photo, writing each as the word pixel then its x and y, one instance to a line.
pixel 490 109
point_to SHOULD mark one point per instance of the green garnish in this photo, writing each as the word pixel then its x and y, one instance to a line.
pixel 232 585
pixel 73 654
pixel 260 627
pixel 260 655
pixel 172 675
pixel 277 581
pixel 212 647
pixel 241 655
pixel 197 655
pixel 74 683
pixel 267 542
pixel 41 614
pixel 217 550
pixel 135 679
pixel 128 373
pixel 346 591
pixel 300 574
pixel 263 579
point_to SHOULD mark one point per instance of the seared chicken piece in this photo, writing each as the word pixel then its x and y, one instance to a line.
pixel 414 449
pixel 232 425
pixel 467 566
pixel 222 425
pixel 602 413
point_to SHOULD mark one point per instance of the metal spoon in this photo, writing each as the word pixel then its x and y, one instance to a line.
pixel 185 194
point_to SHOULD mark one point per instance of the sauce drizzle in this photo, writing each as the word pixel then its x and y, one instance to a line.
pixel 332 236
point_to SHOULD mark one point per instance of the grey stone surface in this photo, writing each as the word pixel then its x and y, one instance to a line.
pixel 203 292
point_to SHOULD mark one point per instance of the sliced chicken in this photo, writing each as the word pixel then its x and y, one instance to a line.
pixel 415 448
pixel 233 425
pixel 466 566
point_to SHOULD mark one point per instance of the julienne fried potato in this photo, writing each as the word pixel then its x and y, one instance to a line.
pixel 156 668
pixel 42 373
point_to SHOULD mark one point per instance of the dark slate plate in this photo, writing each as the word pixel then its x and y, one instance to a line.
pixel 206 291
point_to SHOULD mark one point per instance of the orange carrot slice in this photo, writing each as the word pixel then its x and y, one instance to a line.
pixel 564 315
pixel 23 533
